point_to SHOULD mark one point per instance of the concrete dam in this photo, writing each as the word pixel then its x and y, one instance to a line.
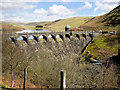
pixel 64 41
pixel 45 54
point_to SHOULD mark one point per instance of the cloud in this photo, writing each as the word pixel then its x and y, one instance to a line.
pixel 7 6
pixel 55 10
pixel 106 5
pixel 86 6
pixel 47 1
pixel 59 10
pixel 22 17
pixel 41 11
pixel 110 1
pixel 52 13
pixel 96 9
pixel 29 7
pixel 14 18
pixel 21 1
pixel 67 0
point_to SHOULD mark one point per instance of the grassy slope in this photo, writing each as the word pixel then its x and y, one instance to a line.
pixel 73 22
pixel 104 46
pixel 53 26
pixel 15 26
pixel 93 22
pixel 25 25
pixel 38 23
pixel 8 28
pixel 97 24
pixel 113 17
pixel 109 21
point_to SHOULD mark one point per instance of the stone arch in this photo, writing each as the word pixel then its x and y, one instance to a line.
pixel 45 38
pixel 54 37
pixel 67 36
pixel 90 35
pixel 25 39
pixel 36 39
pixel 20 38
pixel 84 36
pixel 30 38
pixel 78 36
pixel 61 36
pixel 13 40
pixel 40 37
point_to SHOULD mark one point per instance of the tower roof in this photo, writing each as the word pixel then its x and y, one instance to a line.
pixel 67 26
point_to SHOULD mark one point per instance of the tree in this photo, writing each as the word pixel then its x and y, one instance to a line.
pixel 11 57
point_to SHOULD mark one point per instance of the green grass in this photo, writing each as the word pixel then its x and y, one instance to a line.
pixel 29 27
pixel 109 28
pixel 73 22
pixel 38 23
pixel 104 46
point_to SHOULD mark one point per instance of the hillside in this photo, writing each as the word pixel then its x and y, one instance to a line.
pixel 9 28
pixel 112 18
pixel 109 21
pixel 93 22
pixel 105 46
pixel 73 22
pixel 57 25
pixel 38 23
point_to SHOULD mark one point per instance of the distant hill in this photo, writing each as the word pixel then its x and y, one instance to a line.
pixel 38 23
pixel 74 22
pixel 13 23
pixel 53 22
pixel 9 28
pixel 107 21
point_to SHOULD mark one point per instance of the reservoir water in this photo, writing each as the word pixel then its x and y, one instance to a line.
pixel 33 31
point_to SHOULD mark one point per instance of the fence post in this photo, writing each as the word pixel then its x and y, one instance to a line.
pixel 63 80
pixel 25 78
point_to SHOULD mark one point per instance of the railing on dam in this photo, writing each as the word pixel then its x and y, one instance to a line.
pixel 37 36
